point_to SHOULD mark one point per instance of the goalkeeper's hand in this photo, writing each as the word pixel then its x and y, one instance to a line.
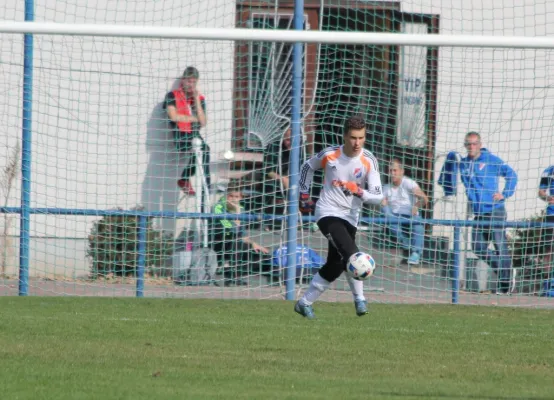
pixel 352 189
pixel 306 204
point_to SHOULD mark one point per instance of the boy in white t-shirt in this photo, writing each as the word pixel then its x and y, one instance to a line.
pixel 403 198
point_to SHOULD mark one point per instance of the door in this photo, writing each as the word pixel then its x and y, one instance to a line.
pixel 394 87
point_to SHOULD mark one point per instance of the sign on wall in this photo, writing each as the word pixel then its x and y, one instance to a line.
pixel 411 127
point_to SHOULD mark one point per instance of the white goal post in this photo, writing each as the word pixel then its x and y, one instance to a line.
pixel 291 36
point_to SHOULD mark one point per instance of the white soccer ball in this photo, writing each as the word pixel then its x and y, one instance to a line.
pixel 360 266
pixel 228 155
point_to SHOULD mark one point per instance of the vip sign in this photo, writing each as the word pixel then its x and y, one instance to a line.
pixel 410 128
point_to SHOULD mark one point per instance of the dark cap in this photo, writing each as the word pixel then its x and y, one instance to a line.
pixel 234 186
pixel 191 72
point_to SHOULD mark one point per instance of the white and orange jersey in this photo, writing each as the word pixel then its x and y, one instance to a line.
pixel 339 169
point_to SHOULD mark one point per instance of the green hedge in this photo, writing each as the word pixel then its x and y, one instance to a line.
pixel 113 246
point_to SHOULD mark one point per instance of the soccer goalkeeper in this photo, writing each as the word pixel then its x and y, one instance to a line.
pixel 348 169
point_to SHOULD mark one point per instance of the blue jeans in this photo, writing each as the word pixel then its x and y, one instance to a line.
pixel 498 259
pixel 408 235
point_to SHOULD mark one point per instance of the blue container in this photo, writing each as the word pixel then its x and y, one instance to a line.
pixel 548 288
pixel 306 258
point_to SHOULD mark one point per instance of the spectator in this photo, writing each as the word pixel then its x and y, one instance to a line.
pixel 546 193
pixel 403 199
pixel 186 109
pixel 479 172
pixel 276 164
pixel 276 178
pixel 231 242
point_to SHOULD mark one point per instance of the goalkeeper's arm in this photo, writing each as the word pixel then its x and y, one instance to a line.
pixel 306 175
pixel 374 192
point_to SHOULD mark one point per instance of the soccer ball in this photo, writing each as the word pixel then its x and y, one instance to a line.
pixel 360 266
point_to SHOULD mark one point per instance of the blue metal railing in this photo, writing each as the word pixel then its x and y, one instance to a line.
pixel 144 215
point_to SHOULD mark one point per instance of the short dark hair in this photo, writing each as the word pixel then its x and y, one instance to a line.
pixel 191 72
pixel 473 133
pixel 234 186
pixel 396 160
pixel 354 122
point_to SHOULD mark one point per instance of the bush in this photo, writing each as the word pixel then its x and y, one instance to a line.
pixel 114 242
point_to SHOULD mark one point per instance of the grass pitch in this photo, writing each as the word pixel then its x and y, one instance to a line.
pixel 101 348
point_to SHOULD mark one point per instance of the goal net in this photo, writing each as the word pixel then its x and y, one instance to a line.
pixel 106 192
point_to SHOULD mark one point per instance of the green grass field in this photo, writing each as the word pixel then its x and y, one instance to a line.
pixel 100 348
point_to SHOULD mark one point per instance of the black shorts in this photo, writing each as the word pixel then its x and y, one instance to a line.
pixel 342 244
pixel 547 234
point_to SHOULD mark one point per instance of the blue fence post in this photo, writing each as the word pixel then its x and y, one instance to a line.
pixel 292 218
pixel 26 139
pixel 141 259
pixel 456 266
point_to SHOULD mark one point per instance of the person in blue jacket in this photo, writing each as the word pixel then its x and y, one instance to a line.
pixel 480 171
pixel 546 194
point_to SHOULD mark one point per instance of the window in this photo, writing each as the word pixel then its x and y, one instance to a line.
pixel 270 70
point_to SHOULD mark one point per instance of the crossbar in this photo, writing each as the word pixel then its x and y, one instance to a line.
pixel 290 36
